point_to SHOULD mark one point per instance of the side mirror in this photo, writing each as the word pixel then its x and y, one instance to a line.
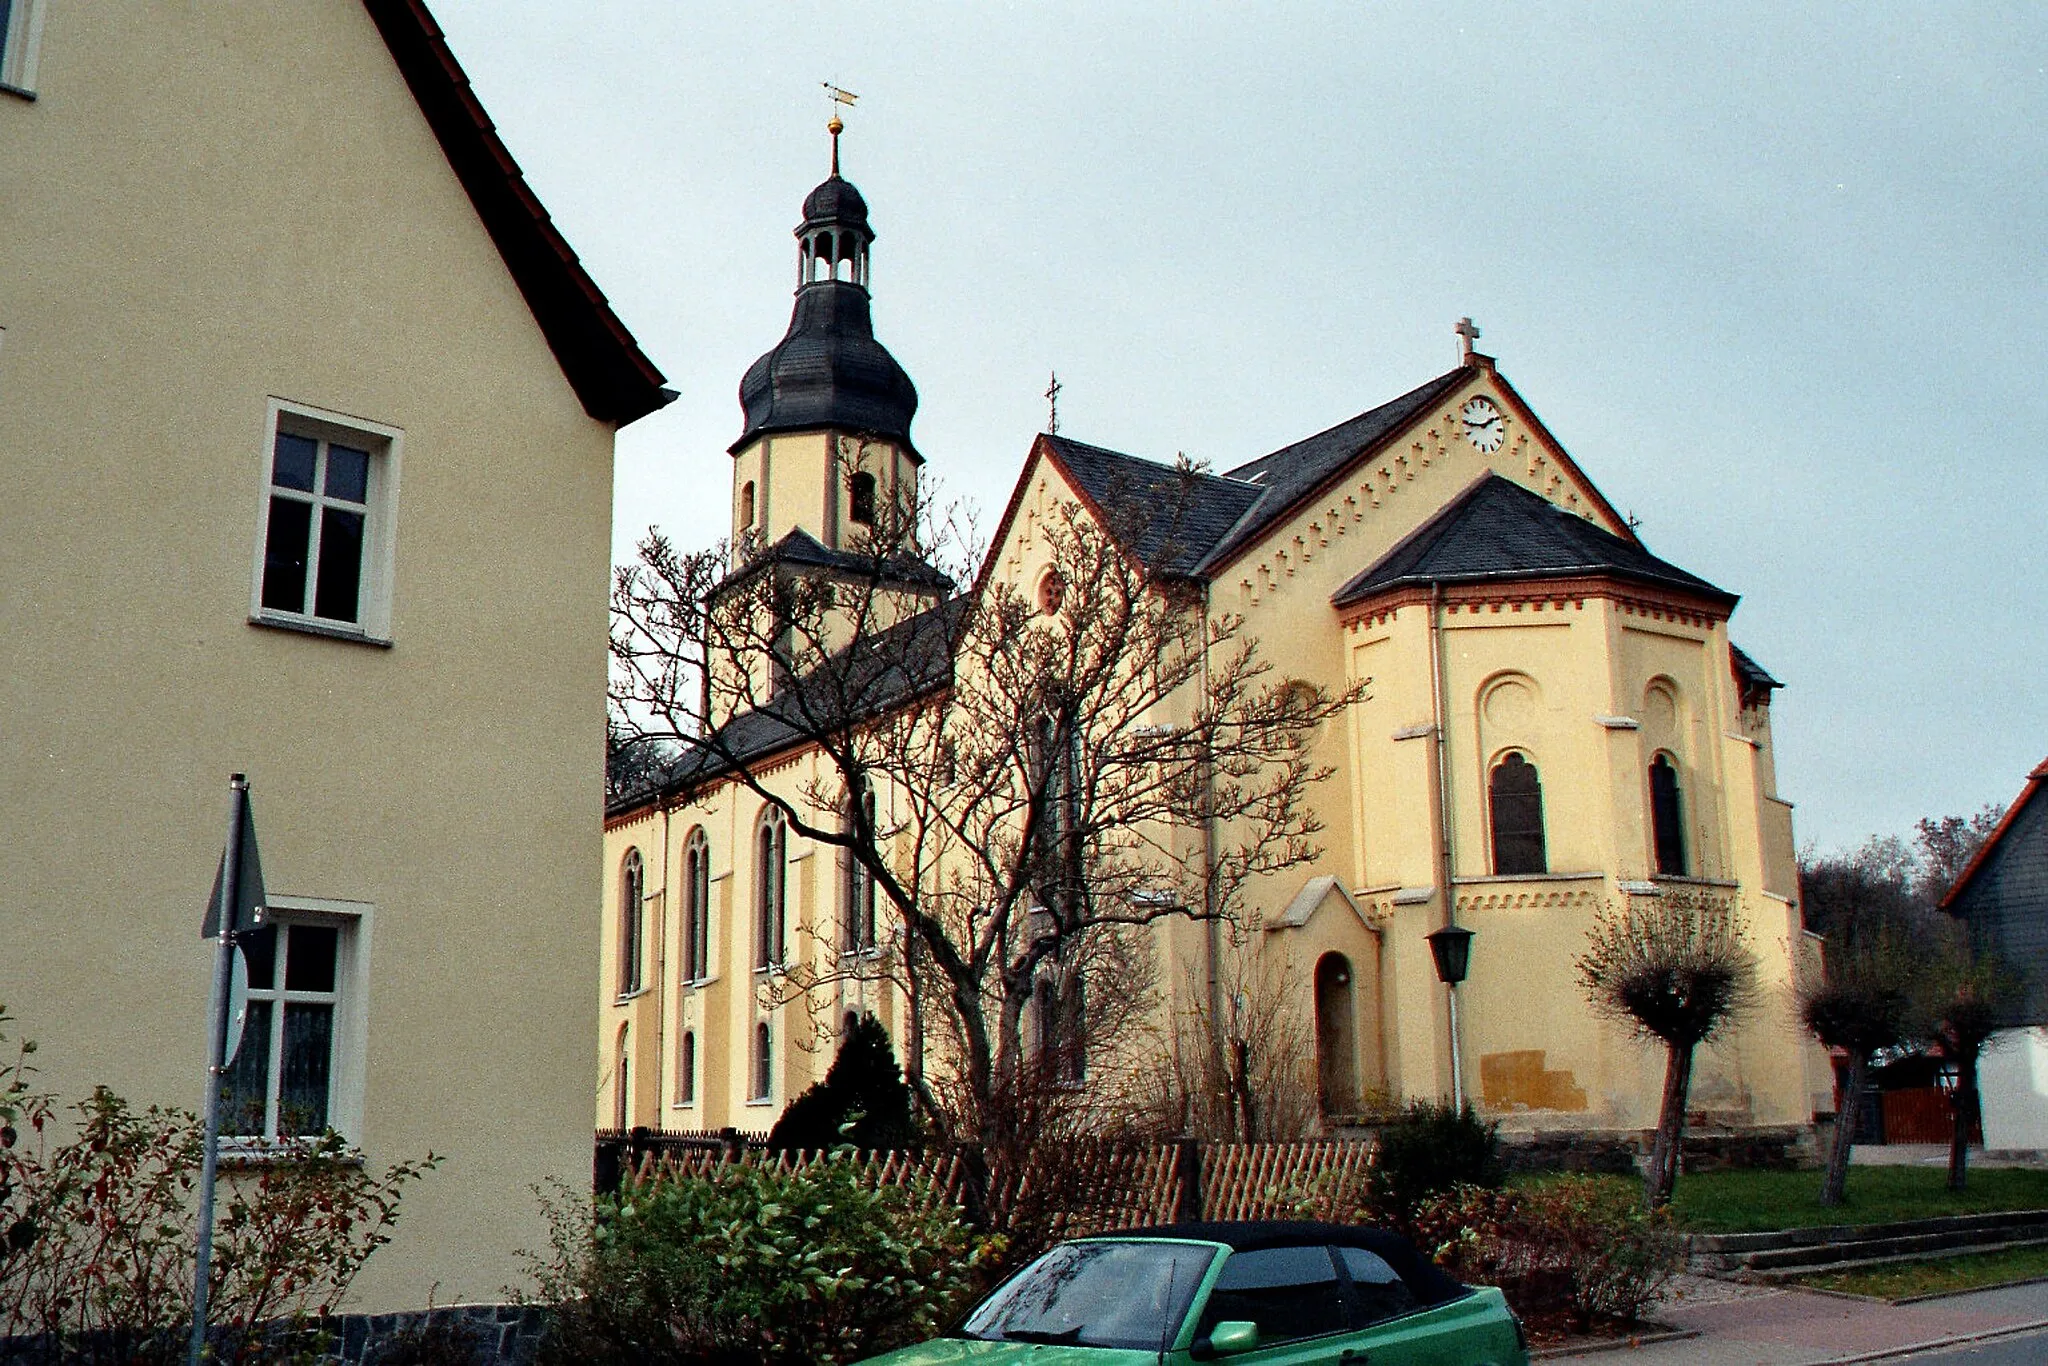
pixel 1225 1339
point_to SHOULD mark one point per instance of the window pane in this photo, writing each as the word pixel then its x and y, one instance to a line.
pixel 260 948
pixel 1290 1292
pixel 1380 1291
pixel 309 958
pixel 308 1050
pixel 284 555
pixel 243 1089
pixel 348 473
pixel 292 464
pixel 341 565
pixel 1105 1294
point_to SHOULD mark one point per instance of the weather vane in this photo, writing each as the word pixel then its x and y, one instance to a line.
pixel 836 127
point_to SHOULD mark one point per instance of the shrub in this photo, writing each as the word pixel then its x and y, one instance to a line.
pixel 753 1262
pixel 862 1100
pixel 1427 1148
pixel 1580 1247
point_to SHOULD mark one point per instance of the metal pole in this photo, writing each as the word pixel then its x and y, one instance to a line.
pixel 1457 1065
pixel 216 1063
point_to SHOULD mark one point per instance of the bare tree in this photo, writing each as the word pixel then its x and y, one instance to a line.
pixel 1061 768
pixel 1861 999
pixel 1241 1073
pixel 1672 968
pixel 1970 995
pixel 1947 845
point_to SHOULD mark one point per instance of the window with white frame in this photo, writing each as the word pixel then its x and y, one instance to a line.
pixel 325 552
pixel 21 31
pixel 771 890
pixel 298 1069
pixel 632 918
pixel 696 908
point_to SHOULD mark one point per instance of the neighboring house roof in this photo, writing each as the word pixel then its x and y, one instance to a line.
pixel 1291 474
pixel 1496 529
pixel 909 660
pixel 612 378
pixel 1174 515
pixel 799 547
pixel 2036 781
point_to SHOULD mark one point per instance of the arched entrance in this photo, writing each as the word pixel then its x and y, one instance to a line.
pixel 1336 1035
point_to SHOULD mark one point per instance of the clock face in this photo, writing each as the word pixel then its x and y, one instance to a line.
pixel 1485 427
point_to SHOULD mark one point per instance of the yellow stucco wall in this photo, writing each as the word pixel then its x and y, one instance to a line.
pixel 211 206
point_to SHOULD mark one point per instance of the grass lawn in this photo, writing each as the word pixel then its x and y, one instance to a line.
pixel 1752 1201
pixel 1937 1275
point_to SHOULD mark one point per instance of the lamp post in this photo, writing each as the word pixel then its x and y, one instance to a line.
pixel 1451 946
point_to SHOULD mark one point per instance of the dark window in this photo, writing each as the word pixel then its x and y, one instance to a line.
pixel 1376 1288
pixel 317 533
pixel 696 908
pixel 686 1069
pixel 770 886
pixel 1056 760
pixel 1517 810
pixel 747 506
pixel 1289 1292
pixel 764 1071
pixel 632 893
pixel 861 499
pixel 281 1079
pixel 1667 816
pixel 860 882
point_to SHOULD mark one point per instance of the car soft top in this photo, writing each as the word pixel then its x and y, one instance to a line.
pixel 1429 1281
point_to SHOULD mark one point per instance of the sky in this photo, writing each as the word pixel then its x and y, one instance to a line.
pixel 1773 274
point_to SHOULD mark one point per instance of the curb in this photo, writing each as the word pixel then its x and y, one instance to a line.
pixel 1659 1333
pixel 1973 1290
pixel 1937 1344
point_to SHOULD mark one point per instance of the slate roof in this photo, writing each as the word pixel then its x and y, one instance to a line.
pixel 1181 514
pixel 801 548
pixel 1291 474
pixel 828 371
pixel 2036 782
pixel 909 660
pixel 612 377
pixel 1496 529
pixel 1755 682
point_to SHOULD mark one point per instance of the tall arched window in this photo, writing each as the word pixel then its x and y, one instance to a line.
pixel 1061 1008
pixel 859 921
pixel 1055 756
pixel 764 1062
pixel 632 898
pixel 622 1076
pixel 1667 816
pixel 1516 809
pixel 747 506
pixel 860 498
pixel 696 907
pixel 771 871
pixel 686 1069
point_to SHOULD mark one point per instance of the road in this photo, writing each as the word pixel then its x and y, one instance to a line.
pixel 2028 1349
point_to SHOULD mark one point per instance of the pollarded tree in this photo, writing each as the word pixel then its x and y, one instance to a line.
pixel 1674 969
pixel 1970 994
pixel 1054 768
pixel 1864 997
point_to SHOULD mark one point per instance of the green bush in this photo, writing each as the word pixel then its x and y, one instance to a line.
pixel 753 1262
pixel 862 1100
pixel 1576 1247
pixel 1427 1148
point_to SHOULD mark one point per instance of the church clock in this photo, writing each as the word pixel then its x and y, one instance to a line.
pixel 1485 428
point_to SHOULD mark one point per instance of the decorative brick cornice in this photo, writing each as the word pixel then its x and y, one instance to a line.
pixel 1510 596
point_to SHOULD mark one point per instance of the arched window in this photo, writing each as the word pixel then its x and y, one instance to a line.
pixel 1667 816
pixel 771 870
pixel 859 919
pixel 632 897
pixel 622 1076
pixel 747 506
pixel 764 1063
pixel 1055 757
pixel 1062 1027
pixel 686 1069
pixel 860 499
pixel 696 907
pixel 1517 812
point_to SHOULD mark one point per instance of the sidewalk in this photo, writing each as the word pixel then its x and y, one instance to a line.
pixel 1766 1326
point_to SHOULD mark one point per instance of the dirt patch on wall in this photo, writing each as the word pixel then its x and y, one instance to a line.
pixel 1519 1081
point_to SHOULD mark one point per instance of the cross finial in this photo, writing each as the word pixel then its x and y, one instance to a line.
pixel 1467 334
pixel 836 127
pixel 1052 398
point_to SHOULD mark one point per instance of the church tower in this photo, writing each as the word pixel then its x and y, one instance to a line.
pixel 826 449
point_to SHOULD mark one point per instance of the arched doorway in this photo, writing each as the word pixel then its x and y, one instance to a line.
pixel 1336 1035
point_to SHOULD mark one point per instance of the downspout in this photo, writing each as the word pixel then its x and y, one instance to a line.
pixel 1439 715
pixel 661 1038
pixel 1213 926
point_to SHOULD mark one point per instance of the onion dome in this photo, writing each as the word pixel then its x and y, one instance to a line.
pixel 828 371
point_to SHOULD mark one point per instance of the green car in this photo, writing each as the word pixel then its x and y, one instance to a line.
pixel 1256 1294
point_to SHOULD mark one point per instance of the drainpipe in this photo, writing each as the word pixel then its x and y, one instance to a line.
pixel 1439 713
pixel 1212 928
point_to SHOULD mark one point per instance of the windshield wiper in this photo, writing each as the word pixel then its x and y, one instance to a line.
pixel 1063 1337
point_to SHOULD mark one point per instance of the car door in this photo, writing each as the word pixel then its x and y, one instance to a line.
pixel 1296 1298
pixel 1396 1329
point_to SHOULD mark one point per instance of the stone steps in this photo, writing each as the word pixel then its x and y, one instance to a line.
pixel 1801 1251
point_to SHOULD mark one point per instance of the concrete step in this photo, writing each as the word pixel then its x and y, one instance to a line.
pixel 1784 1273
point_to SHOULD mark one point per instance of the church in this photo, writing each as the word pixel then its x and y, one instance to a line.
pixel 1544 720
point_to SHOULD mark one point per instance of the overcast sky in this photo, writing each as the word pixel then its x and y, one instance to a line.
pixel 1773 275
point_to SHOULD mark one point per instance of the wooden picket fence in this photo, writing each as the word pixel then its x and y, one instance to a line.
pixel 1087 1187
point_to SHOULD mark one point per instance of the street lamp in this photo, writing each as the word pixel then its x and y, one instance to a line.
pixel 1451 946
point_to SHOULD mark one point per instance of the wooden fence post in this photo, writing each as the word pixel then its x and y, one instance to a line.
pixel 1187 1171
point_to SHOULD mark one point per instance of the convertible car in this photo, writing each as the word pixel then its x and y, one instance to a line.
pixel 1255 1294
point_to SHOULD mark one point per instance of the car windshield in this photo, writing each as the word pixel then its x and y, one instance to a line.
pixel 1096 1294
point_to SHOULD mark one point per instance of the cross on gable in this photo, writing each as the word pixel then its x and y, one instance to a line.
pixel 1467 334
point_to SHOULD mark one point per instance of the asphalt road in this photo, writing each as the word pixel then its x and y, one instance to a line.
pixel 2028 1349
